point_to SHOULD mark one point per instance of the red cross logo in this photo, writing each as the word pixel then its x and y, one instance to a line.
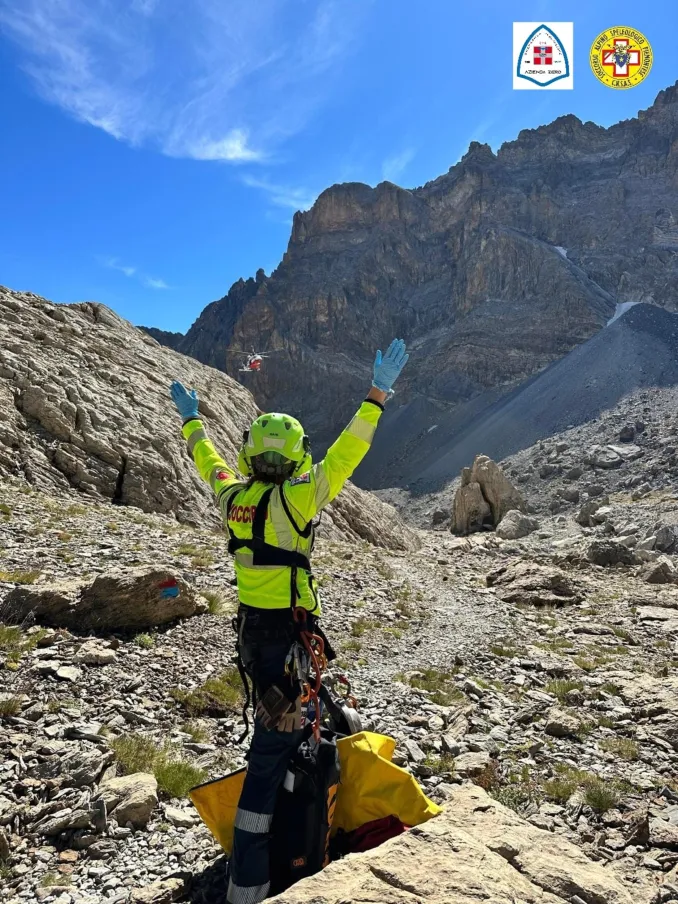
pixel 543 55
pixel 621 58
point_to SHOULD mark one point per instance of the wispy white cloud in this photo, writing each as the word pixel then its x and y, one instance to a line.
pixel 210 79
pixel 395 165
pixel 151 283
pixel 282 195
pixel 113 263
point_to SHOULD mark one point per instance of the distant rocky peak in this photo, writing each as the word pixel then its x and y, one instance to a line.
pixel 478 153
pixel 666 97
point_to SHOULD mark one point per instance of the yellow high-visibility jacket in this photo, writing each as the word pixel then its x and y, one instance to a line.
pixel 268 586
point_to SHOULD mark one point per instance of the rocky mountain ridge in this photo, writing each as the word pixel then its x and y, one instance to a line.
pixel 491 271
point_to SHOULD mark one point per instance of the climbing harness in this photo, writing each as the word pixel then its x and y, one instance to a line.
pixel 310 649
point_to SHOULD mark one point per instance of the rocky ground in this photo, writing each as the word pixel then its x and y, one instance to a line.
pixel 548 680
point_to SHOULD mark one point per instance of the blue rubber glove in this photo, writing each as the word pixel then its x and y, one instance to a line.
pixel 185 400
pixel 387 369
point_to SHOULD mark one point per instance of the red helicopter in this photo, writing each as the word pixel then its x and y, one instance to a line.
pixel 252 362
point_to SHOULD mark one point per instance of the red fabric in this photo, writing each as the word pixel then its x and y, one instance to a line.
pixel 372 834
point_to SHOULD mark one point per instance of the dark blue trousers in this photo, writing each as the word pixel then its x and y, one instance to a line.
pixel 269 756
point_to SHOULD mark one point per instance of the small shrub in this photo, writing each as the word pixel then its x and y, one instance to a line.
pixel 5 512
pixel 625 748
pixel 440 764
pixel 113 527
pixel 196 731
pixel 489 779
pixel 361 626
pixel 64 536
pixel 502 651
pixel 15 643
pixel 54 880
pixel 561 687
pixel 19 577
pixel 10 706
pixel 187 549
pixel 352 645
pixel 135 753
pixel 145 640
pixel 217 697
pixel 439 684
pixel 600 796
pixel 217 603
pixel 75 510
pixel 176 777
pixel 203 559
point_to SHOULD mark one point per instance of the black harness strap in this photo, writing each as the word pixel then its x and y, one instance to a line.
pixel 264 553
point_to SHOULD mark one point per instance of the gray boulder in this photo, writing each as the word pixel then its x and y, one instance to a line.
pixel 589 509
pixel 665 539
pixel 130 798
pixel 129 600
pixel 515 524
pixel 609 552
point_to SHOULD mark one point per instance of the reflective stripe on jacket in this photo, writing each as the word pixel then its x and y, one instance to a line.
pixel 267 586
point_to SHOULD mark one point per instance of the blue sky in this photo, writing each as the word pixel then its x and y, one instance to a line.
pixel 154 151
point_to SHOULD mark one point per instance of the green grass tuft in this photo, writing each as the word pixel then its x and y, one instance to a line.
pixel 10 706
pixel 15 643
pixel 600 796
pixel 439 683
pixel 561 687
pixel 175 776
pixel 19 577
pixel 196 731
pixel 624 748
pixel 54 880
pixel 217 697
pixel 147 641
pixel 362 625
pixel 217 603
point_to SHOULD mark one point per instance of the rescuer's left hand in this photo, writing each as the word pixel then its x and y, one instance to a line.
pixel 387 368
pixel 185 400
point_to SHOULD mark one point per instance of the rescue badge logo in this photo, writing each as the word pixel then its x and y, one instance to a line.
pixel 621 57
pixel 542 55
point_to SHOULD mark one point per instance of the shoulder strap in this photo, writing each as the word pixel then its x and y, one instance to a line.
pixel 306 531
pixel 259 520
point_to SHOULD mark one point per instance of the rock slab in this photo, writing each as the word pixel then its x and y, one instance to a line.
pixel 121 600
pixel 476 850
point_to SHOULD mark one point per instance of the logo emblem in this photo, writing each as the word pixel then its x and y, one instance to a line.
pixel 542 55
pixel 621 57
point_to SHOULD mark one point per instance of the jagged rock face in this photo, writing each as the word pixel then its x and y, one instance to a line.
pixel 84 404
pixel 491 271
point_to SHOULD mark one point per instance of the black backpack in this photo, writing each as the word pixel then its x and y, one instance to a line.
pixel 300 833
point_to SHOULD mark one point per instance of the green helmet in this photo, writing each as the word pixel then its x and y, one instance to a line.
pixel 275 446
